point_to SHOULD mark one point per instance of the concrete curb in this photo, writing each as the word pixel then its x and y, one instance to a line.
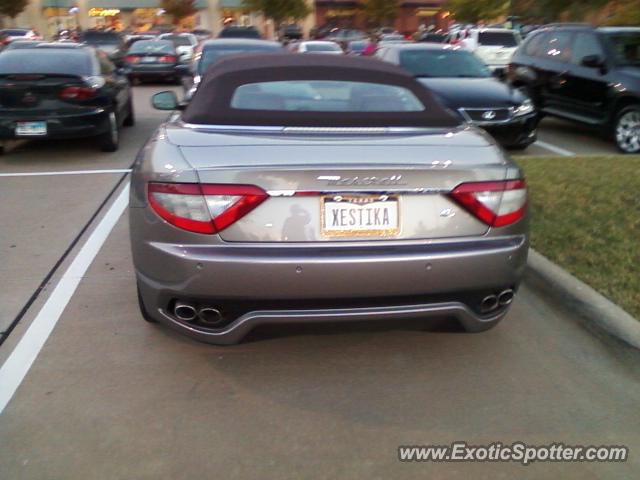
pixel 587 302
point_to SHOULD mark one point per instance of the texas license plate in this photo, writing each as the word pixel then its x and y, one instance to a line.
pixel 31 129
pixel 360 215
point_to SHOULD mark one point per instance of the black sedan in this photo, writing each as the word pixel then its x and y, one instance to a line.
pixel 153 60
pixel 112 43
pixel 211 51
pixel 465 85
pixel 66 92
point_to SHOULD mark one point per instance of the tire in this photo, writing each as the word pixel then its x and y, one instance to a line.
pixel 519 147
pixel 143 310
pixel 626 129
pixel 109 141
pixel 130 119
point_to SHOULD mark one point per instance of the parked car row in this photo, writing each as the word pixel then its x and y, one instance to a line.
pixel 570 71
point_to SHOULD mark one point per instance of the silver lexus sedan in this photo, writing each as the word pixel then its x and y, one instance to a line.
pixel 298 188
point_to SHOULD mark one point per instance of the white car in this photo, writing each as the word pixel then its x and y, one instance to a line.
pixel 19 34
pixel 317 46
pixel 185 44
pixel 495 46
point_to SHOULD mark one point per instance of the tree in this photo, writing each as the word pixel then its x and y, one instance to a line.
pixel 380 12
pixel 625 12
pixel 178 9
pixel 473 11
pixel 12 8
pixel 279 10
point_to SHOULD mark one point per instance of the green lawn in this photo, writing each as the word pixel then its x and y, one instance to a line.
pixel 586 218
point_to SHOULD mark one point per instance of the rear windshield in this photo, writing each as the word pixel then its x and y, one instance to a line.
pixel 152 46
pixel 443 63
pixel 22 44
pixel 504 39
pixel 211 55
pixel 322 47
pixel 358 46
pixel 178 40
pixel 15 33
pixel 324 96
pixel 101 38
pixel 240 33
pixel 49 61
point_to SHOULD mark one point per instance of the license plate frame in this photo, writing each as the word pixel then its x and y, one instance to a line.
pixel 378 229
pixel 31 129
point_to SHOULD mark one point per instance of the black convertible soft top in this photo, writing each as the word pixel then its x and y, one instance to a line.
pixel 211 105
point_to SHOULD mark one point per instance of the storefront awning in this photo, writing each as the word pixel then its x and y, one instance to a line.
pixel 231 4
pixel 59 3
pixel 132 4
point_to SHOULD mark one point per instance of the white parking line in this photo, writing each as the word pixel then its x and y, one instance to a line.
pixel 555 149
pixel 67 172
pixel 19 362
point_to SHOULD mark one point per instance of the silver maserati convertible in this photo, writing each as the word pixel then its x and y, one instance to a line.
pixel 299 188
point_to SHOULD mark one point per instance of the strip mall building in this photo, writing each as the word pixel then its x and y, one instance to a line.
pixel 410 14
pixel 50 16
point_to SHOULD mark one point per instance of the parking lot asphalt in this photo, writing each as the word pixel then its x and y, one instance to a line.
pixel 110 396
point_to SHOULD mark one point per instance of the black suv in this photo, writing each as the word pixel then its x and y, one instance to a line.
pixel 589 75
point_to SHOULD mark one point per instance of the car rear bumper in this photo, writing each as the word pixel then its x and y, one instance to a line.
pixel 255 285
pixel 85 124
pixel 516 133
pixel 152 71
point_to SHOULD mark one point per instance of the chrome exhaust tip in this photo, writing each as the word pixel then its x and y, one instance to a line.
pixel 489 303
pixel 184 312
pixel 506 297
pixel 210 316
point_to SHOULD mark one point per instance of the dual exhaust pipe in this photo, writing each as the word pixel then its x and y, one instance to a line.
pixel 208 316
pixel 493 302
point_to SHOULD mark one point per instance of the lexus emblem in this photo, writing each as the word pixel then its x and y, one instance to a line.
pixel 489 115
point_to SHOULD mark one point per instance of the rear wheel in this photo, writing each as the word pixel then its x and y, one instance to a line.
pixel 110 140
pixel 627 129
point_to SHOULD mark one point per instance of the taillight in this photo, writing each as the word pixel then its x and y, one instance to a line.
pixel 78 93
pixel 205 208
pixel 497 204
pixel 167 59
pixel 132 59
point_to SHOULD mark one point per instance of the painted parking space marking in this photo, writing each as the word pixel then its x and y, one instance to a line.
pixel 554 149
pixel 65 172
pixel 26 351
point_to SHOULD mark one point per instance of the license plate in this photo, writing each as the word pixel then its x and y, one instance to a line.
pixel 360 216
pixel 31 129
pixel 148 59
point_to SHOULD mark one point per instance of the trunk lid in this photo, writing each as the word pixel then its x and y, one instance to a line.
pixel 307 177
pixel 38 93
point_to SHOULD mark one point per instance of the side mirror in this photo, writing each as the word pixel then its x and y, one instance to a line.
pixel 165 101
pixel 182 69
pixel 592 61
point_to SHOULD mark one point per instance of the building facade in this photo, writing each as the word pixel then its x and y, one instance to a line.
pixel 410 14
pixel 51 16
